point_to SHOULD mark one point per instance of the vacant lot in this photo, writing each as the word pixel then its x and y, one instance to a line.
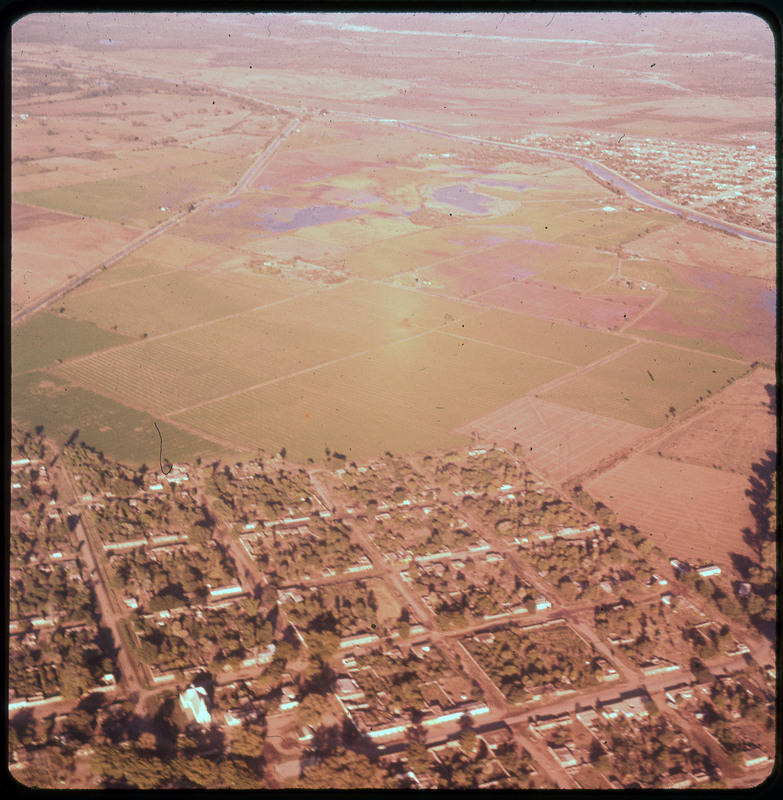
pixel 647 384
pixel 405 397
pixel 691 512
pixel 555 340
pixel 559 441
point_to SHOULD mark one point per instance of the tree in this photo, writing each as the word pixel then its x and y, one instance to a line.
pixel 345 769
pixel 468 741
pixel 248 741
pixel 312 709
pixel 418 757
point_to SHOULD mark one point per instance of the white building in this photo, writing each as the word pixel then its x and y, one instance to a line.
pixel 194 703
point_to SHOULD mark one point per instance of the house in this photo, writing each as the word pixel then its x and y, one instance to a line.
pixel 680 566
pixel 347 689
pixel 676 780
pixel 498 738
pixel 194 703
pixel 542 603
pixel 754 757
pixel 706 571
pixel 563 756
pixel 744 589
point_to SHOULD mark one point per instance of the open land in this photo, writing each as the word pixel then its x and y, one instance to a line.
pixel 331 374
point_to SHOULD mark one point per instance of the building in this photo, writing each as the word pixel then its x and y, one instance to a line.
pixel 347 689
pixel 708 570
pixel 194 703
pixel 754 757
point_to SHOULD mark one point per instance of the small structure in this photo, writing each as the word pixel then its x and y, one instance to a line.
pixel 194 703
pixel 348 689
pixel 708 570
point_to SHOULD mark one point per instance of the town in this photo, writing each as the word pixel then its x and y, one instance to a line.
pixel 442 620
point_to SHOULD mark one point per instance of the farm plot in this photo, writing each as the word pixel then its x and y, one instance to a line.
pixel 733 311
pixel 405 397
pixel 46 338
pixel 182 369
pixel 137 200
pixel 646 385
pixel 734 434
pixel 24 217
pixel 555 340
pixel 560 442
pixel 42 258
pixel 401 254
pixel 122 433
pixel 172 301
pixel 358 232
pixel 557 303
pixel 691 512
pixel 610 228
pixel 689 244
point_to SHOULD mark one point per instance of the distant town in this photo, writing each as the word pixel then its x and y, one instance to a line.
pixel 449 617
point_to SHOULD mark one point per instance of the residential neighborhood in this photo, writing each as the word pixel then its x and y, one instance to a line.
pixel 449 618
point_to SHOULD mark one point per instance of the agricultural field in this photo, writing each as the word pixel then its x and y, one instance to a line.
pixel 404 397
pixel 691 512
pixel 736 432
pixel 695 246
pixel 64 411
pixel 46 257
pixel 557 440
pixel 548 301
pixel 647 385
pixel 729 311
pixel 548 339
pixel 47 338
pixel 172 301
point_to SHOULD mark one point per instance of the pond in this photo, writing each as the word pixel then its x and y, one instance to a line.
pixel 279 220
pixel 460 196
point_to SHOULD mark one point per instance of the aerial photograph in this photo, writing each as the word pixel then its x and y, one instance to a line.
pixel 393 401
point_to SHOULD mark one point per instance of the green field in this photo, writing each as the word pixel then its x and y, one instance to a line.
pixel 404 397
pixel 45 338
pixel 172 300
pixel 640 386
pixel 137 200
pixel 546 338
pixel 121 433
